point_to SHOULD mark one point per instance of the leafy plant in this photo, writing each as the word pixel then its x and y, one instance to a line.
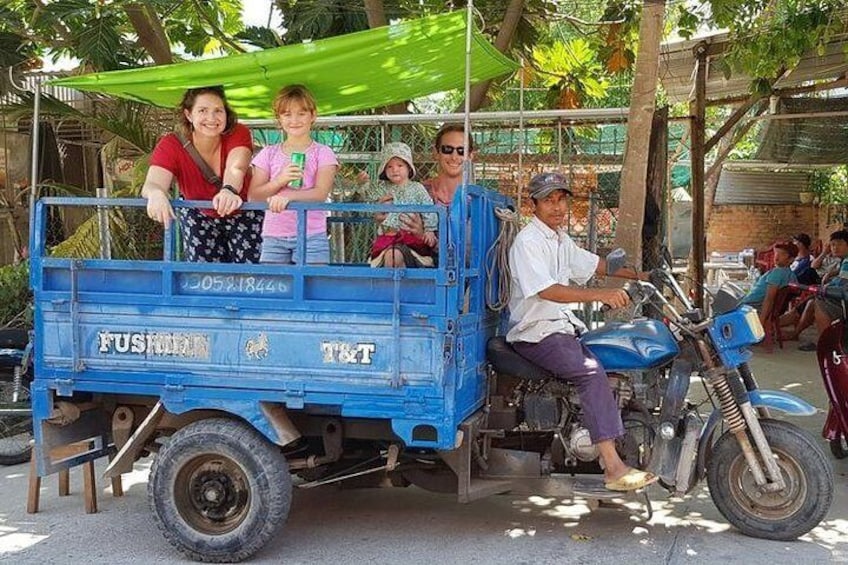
pixel 831 186
pixel 15 296
pixel 571 72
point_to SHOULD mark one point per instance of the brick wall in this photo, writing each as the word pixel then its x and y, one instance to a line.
pixel 736 227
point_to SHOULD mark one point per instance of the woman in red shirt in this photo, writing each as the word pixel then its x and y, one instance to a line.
pixel 224 234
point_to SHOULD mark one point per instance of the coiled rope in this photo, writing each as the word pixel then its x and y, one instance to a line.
pixel 497 260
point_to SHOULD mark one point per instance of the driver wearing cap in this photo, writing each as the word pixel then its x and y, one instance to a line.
pixel 544 262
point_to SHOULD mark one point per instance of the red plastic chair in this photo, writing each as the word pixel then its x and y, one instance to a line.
pixel 772 324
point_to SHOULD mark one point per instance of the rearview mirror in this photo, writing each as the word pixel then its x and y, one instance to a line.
pixel 615 260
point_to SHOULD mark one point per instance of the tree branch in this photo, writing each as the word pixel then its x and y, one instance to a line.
pixel 151 34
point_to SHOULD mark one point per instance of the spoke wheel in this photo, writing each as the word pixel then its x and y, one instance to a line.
pixel 15 431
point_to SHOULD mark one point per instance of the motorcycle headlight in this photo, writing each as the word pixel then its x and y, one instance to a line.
pixel 753 320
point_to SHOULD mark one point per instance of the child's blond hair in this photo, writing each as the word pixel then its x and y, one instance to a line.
pixel 291 94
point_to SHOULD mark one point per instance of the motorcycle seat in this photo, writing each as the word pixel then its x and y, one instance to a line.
pixel 506 360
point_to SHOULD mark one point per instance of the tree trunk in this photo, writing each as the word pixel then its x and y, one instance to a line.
pixel 652 232
pixel 376 13
pixel 628 233
pixel 151 34
pixel 506 33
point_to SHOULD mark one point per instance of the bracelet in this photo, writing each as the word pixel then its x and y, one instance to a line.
pixel 230 188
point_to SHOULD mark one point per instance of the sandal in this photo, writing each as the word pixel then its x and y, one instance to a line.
pixel 633 479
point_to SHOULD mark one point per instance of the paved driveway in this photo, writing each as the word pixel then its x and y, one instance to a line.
pixel 330 525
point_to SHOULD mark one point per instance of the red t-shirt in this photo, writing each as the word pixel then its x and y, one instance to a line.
pixel 169 154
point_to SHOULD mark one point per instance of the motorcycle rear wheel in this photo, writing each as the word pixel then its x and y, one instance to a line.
pixel 15 431
pixel 783 516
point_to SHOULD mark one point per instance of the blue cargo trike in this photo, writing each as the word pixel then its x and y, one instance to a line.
pixel 238 377
pixel 244 381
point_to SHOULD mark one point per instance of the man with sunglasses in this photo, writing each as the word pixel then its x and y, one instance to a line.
pixel 449 154
pixel 544 261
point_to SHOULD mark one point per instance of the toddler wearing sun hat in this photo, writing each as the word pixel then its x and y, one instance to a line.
pixel 395 246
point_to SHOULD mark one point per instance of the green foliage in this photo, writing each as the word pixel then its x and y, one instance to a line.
pixel 831 186
pixel 262 37
pixel 767 37
pixel 15 296
pixel 100 35
pixel 571 64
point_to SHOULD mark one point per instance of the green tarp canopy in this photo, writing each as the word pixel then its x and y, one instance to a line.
pixel 347 73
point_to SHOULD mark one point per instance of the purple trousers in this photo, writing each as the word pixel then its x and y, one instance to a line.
pixel 566 358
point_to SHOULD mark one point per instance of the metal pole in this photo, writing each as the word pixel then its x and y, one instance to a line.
pixel 103 227
pixel 33 173
pixel 466 163
pixel 520 137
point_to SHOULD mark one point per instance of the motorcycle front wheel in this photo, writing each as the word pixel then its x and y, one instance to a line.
pixel 784 515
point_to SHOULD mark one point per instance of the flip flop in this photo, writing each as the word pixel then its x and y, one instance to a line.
pixel 631 480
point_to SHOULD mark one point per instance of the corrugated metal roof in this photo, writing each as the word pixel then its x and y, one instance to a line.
pixel 677 68
pixel 760 187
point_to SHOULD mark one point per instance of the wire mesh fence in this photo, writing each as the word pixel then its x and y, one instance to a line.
pixel 509 149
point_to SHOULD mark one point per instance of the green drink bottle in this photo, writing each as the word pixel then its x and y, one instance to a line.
pixel 298 159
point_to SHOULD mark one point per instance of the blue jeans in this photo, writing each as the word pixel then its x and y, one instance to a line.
pixel 285 250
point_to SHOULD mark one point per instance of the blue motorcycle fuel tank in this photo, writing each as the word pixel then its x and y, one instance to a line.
pixel 632 346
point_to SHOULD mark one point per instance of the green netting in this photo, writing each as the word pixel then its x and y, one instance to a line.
pixel 807 140
pixel 346 73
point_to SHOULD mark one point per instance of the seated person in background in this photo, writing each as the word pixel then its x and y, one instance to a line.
pixel 825 263
pixel 810 313
pixel 827 310
pixel 802 265
pixel 763 292
pixel 396 246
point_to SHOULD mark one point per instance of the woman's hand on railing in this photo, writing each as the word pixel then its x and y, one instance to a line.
pixel 159 208
pixel 226 202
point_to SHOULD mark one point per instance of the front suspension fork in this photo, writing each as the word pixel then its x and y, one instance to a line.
pixel 740 417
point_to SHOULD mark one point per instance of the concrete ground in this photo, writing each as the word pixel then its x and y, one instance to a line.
pixel 328 525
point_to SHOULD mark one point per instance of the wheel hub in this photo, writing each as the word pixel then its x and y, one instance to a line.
pixel 774 505
pixel 213 494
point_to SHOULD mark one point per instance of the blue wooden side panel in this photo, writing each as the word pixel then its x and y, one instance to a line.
pixel 406 345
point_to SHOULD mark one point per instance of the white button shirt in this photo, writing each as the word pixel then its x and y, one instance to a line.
pixel 539 258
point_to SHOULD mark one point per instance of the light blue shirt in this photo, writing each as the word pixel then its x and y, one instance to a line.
pixel 778 276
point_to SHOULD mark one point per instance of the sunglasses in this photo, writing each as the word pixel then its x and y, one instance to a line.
pixel 449 149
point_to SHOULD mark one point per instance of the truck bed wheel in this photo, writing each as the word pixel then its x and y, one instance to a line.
pixel 219 490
